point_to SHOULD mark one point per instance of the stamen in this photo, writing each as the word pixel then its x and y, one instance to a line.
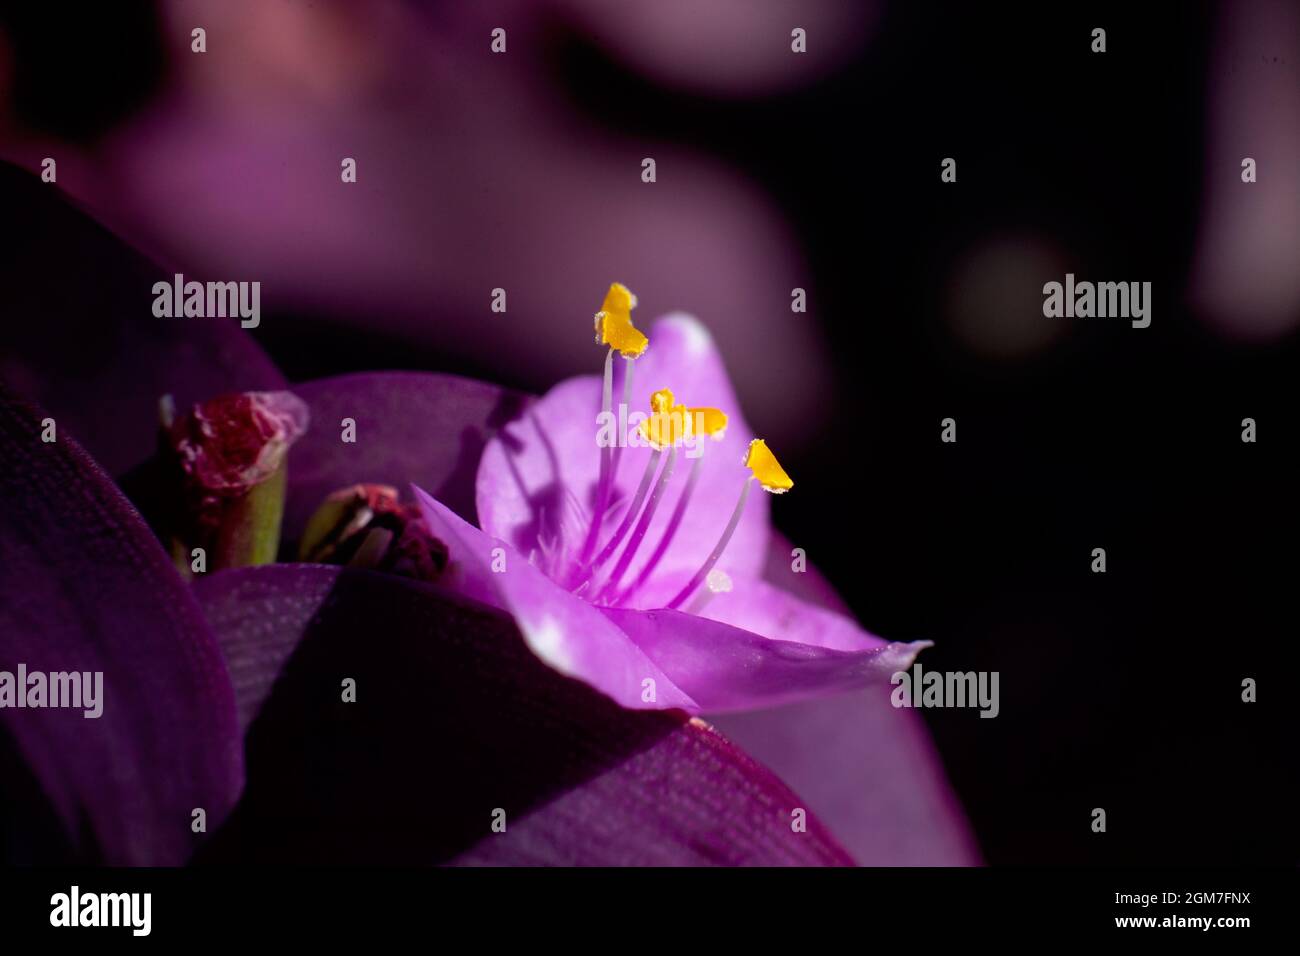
pixel 710 421
pixel 674 522
pixel 760 460
pixel 614 323
pixel 628 518
pixel 668 423
pixel 707 421
pixel 603 482
pixel 718 548
pixel 665 428
pixel 621 438
pixel 614 328
pixel 771 476
pixel 642 526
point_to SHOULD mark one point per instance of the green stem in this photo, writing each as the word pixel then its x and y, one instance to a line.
pixel 250 525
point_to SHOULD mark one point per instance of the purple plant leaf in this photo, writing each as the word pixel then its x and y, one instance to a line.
pixel 455 717
pixel 84 587
pixel 411 427
pixel 91 351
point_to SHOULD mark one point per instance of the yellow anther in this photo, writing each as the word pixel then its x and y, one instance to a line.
pixel 614 323
pixel 764 466
pixel 667 423
pixel 709 421
pixel 619 299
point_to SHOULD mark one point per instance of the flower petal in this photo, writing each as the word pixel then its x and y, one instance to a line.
pixel 754 605
pixel 454 719
pixel 725 668
pixel 411 428
pixel 91 351
pixel 809 583
pixel 85 587
pixel 564 631
pixel 526 472
pixel 868 769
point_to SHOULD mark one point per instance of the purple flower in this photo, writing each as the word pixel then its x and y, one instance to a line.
pixel 225 695
pixel 868 770
pixel 638 569
pixel 219 730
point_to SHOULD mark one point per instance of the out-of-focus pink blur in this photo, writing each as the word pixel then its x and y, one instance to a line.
pixel 474 172
pixel 1247 268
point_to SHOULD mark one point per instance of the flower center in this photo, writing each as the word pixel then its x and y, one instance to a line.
pixel 667 428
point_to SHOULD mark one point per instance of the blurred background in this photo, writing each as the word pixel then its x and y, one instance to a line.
pixel 820 170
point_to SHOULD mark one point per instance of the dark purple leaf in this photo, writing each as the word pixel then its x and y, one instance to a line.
pixel 411 427
pixel 454 717
pixel 79 335
pixel 85 587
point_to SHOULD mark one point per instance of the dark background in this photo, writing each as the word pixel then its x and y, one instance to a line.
pixel 1120 690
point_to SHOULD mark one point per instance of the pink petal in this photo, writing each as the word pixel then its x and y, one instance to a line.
pixel 725 668
pixel 565 632
pixel 868 769
pixel 754 605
